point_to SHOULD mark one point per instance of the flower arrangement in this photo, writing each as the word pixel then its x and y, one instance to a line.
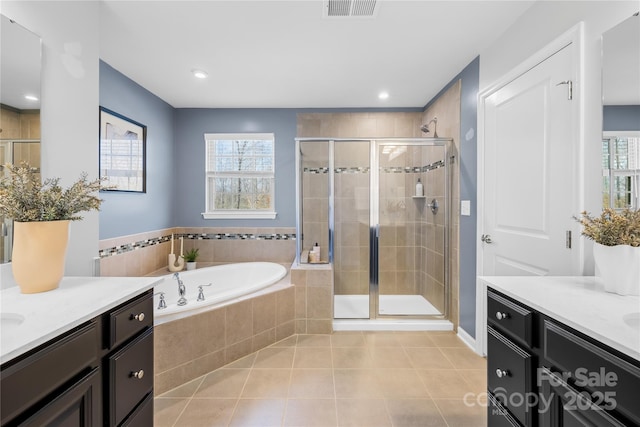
pixel 612 227
pixel 25 198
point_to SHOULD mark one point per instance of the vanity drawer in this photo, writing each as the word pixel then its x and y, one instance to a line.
pixel 510 317
pixel 498 416
pixel 510 376
pixel 143 415
pixel 593 368
pixel 130 377
pixel 127 321
pixel 28 381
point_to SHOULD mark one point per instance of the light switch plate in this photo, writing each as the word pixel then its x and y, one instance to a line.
pixel 465 207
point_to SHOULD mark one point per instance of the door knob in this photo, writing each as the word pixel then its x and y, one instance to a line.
pixel 486 238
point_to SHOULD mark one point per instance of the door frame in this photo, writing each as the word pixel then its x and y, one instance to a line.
pixel 572 39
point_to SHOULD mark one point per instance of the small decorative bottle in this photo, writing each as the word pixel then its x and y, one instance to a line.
pixel 419 188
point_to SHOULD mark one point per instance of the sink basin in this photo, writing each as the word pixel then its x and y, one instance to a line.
pixel 632 319
pixel 10 320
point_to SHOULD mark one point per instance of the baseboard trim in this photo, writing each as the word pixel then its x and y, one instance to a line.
pixel 467 339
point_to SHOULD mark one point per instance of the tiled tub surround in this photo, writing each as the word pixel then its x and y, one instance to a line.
pixel 146 253
pixel 190 347
pixel 313 298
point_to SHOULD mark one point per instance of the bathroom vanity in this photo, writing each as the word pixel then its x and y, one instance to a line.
pixel 80 355
pixel 561 352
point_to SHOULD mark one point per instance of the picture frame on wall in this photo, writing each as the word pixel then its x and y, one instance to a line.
pixel 122 152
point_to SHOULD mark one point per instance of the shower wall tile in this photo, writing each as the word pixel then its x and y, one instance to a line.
pixel 359 125
pixel 447 109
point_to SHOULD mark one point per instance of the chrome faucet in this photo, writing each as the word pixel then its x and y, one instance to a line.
pixel 181 290
pixel 201 292
pixel 162 304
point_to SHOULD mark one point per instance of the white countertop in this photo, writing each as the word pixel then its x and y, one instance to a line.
pixel 581 303
pixel 49 314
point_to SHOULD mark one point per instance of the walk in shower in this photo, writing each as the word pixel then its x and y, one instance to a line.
pixel 385 236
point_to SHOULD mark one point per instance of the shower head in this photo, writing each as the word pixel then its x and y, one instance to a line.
pixel 425 127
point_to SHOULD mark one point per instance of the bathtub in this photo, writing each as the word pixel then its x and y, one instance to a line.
pixel 229 282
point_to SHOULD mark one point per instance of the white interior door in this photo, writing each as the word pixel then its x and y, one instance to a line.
pixel 529 178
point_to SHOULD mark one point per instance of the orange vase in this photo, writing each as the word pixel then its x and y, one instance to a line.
pixel 38 257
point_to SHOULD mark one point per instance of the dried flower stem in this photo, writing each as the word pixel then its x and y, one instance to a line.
pixel 612 228
pixel 23 197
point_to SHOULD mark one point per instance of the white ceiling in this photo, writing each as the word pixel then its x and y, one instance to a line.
pixel 285 54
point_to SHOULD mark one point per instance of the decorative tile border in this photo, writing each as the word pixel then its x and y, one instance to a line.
pixel 389 169
pixel 128 247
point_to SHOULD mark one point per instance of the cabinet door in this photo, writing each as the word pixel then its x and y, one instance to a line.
pixel 78 406
pixel 509 376
pixel 563 406
pixel 30 380
pixel 593 368
pixel 130 377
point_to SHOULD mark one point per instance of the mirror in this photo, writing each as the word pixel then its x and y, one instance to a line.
pixel 621 114
pixel 20 63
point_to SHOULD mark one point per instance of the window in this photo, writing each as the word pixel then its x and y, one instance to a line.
pixel 240 175
pixel 621 170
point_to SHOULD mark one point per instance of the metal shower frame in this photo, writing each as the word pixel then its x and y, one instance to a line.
pixel 374 205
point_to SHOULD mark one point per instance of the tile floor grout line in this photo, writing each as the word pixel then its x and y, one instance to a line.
pixel 333 378
pixel 246 380
pixel 286 400
pixel 189 399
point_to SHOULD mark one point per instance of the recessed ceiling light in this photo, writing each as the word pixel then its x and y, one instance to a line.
pixel 383 95
pixel 200 74
pixel 31 97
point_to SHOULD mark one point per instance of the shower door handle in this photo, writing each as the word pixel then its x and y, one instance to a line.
pixel 486 238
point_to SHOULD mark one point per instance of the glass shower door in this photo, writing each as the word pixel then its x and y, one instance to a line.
pixel 351 173
pixel 411 241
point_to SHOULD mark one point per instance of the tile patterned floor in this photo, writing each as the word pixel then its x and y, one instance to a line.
pixel 360 379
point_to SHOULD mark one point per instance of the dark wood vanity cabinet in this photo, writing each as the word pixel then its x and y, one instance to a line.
pixel 541 372
pixel 97 374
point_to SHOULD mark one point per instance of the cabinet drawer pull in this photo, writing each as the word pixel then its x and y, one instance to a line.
pixel 138 317
pixel 138 374
pixel 501 373
pixel 501 316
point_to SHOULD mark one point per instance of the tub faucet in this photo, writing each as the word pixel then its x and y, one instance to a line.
pixel 201 292
pixel 162 304
pixel 181 290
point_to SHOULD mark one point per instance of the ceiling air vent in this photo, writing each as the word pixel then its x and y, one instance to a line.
pixel 346 8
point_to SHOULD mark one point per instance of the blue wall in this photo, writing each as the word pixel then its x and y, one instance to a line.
pixel 189 161
pixel 468 189
pixel 621 117
pixel 129 213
